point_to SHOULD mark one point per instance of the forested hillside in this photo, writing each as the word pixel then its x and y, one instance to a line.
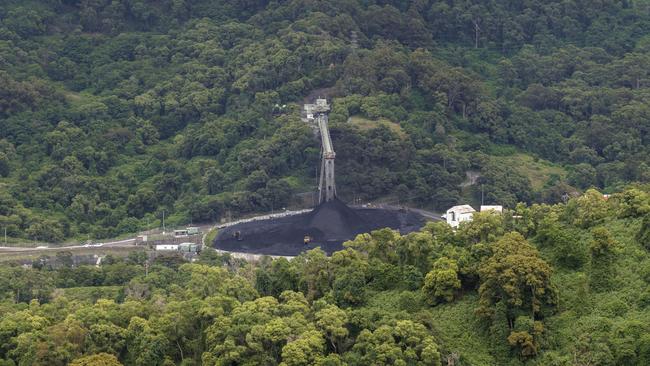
pixel 543 285
pixel 113 111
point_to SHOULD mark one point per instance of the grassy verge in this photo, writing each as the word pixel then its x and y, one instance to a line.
pixel 210 236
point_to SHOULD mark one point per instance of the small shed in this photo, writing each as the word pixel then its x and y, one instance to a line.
pixel 458 214
pixel 180 233
pixel 193 230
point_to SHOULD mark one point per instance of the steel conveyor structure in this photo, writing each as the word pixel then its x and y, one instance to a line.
pixel 326 184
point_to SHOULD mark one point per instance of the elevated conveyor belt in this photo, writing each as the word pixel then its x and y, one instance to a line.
pixel 317 113
pixel 327 183
pixel 326 140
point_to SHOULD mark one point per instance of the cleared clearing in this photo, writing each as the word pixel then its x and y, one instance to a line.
pixel 366 124
pixel 539 171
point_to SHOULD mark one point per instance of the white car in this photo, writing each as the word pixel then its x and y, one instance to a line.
pixel 42 247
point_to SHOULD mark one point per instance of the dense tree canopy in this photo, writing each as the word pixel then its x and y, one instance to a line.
pixel 435 297
pixel 113 111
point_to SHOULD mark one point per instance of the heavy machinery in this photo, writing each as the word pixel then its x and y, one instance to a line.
pixel 318 114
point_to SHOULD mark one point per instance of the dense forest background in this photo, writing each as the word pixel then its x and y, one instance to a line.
pixel 543 285
pixel 113 111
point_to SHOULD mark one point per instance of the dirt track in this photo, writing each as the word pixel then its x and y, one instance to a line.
pixel 329 225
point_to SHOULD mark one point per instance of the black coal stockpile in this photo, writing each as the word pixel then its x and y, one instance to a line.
pixel 333 220
pixel 327 226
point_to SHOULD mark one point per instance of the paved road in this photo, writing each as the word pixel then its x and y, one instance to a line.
pixel 108 244
pixel 428 214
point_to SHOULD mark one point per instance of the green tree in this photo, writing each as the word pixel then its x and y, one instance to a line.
pixel 46 230
pixel 604 250
pixel 214 180
pixel 589 209
pixel 525 337
pixel 416 249
pixel 107 338
pixel 643 235
pixel 306 350
pixel 5 167
pixel 569 250
pixel 316 273
pixel 331 321
pixel 144 345
pixel 515 273
pixel 441 283
pixel 402 343
pixel 484 227
pixel 583 176
pixel 100 359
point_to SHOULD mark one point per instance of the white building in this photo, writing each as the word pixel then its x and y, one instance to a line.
pixel 167 247
pixel 494 208
pixel 458 214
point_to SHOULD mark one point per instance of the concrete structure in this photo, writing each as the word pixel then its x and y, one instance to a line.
pixel 166 247
pixel 458 214
pixel 326 184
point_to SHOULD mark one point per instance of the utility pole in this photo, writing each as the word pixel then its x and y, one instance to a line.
pixel 5 236
pixel 163 222
pixel 481 195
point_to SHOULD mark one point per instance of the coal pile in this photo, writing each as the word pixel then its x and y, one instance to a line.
pixel 328 226
pixel 333 220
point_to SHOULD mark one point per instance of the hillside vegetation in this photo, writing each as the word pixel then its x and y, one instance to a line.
pixel 112 112
pixel 543 285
